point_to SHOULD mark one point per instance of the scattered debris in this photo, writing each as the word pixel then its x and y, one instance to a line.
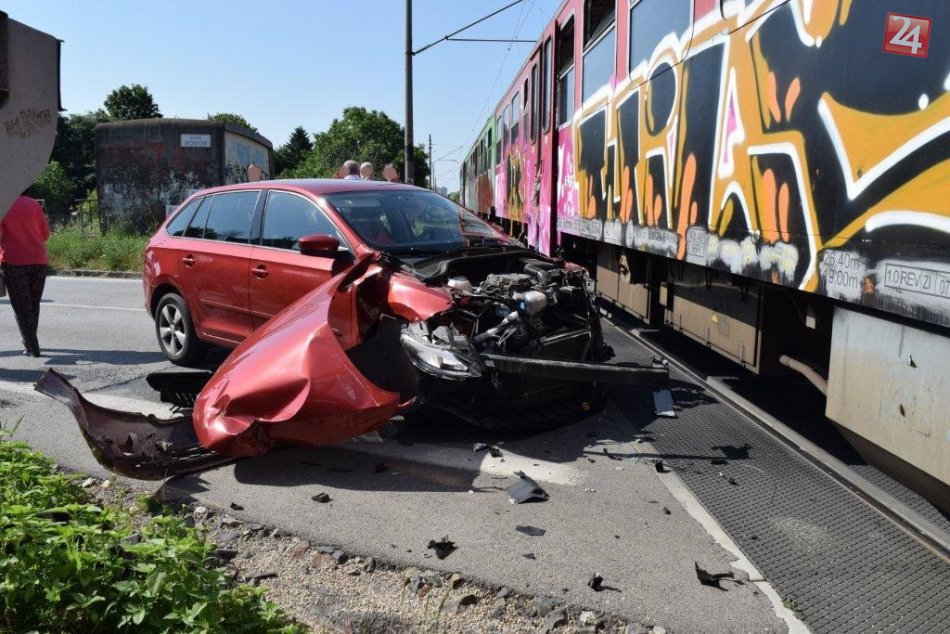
pixel 498 609
pixel 663 404
pixel 596 583
pixel 553 620
pixel 590 490
pixel 106 484
pixel 322 498
pixel 659 629
pixel 380 467
pixel 713 580
pixel 503 592
pixel 611 456
pixel 225 555
pixel 728 479
pixel 588 618
pixel 526 490
pixel 667 511
pixel 541 606
pixel 339 556
pixel 455 580
pixel 369 564
pixel 254 579
pixel 236 507
pixel 88 482
pixel 531 531
pixel 491 449
pixel 661 467
pixel 468 599
pixel 443 548
pixel 530 556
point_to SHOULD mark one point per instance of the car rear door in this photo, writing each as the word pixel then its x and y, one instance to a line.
pixel 279 273
pixel 215 250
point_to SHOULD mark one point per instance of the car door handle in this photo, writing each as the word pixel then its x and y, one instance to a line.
pixel 188 260
pixel 260 271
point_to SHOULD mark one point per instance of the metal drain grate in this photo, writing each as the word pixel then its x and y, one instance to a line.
pixel 846 567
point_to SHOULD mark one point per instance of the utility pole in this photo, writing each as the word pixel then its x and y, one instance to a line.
pixel 410 161
pixel 431 167
pixel 409 150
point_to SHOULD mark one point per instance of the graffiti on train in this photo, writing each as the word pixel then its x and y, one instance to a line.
pixel 785 146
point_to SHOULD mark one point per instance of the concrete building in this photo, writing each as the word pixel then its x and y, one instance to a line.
pixel 147 167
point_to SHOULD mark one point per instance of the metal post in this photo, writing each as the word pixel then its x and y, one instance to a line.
pixel 410 161
pixel 431 167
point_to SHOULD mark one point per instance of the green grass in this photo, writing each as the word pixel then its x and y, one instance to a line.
pixel 68 565
pixel 76 247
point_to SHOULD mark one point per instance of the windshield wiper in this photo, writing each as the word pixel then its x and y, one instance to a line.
pixel 421 251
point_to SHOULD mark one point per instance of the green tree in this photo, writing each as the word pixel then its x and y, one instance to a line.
pixel 74 149
pixel 288 156
pixel 230 117
pixel 361 135
pixel 132 102
pixel 55 188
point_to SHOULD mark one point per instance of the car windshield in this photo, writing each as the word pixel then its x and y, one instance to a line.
pixel 413 221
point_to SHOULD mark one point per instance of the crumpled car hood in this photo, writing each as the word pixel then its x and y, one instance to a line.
pixel 291 381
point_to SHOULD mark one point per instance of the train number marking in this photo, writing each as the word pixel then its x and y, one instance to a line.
pixel 907 35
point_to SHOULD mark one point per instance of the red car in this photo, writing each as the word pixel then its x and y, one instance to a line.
pixel 348 301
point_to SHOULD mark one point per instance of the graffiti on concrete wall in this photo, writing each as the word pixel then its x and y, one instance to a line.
pixel 784 145
pixel 245 161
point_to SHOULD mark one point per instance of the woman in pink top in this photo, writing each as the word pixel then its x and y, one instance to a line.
pixel 23 262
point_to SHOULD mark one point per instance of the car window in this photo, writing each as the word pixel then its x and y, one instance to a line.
pixel 178 224
pixel 401 220
pixel 230 216
pixel 288 217
pixel 196 228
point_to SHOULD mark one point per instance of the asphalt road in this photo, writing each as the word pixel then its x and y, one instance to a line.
pixel 604 516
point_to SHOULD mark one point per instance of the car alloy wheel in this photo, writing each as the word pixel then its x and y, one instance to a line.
pixel 171 328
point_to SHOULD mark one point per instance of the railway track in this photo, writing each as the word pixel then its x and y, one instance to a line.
pixel 847 553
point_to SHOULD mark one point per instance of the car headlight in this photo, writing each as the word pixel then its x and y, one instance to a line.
pixel 434 355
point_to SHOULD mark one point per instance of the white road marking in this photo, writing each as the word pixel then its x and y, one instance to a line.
pixel 60 305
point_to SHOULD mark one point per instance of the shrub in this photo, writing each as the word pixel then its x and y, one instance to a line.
pixel 70 565
pixel 81 247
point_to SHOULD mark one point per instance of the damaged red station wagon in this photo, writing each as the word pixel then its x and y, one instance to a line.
pixel 348 302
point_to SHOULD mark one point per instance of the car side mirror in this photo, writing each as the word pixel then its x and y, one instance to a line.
pixel 319 244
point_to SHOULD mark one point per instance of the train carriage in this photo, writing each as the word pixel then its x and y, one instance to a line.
pixel 769 177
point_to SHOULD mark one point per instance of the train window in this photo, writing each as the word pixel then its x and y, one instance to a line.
pixel 546 86
pixel 501 135
pixel 534 103
pixel 565 72
pixel 653 20
pixel 598 17
pixel 515 116
pixel 599 63
pixel 565 46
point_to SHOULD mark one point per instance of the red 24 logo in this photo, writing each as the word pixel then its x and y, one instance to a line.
pixel 907 35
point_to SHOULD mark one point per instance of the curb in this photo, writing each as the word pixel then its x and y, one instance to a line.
pixel 123 275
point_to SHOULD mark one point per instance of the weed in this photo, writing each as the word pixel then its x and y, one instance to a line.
pixel 71 565
pixel 790 603
pixel 82 247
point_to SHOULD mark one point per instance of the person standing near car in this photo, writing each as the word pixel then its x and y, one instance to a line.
pixel 23 262
pixel 367 170
pixel 352 170
pixel 390 173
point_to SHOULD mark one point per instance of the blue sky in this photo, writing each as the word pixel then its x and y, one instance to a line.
pixel 288 63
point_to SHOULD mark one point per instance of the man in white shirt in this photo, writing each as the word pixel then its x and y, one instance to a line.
pixel 352 170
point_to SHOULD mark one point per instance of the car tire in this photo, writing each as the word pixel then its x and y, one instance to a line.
pixel 176 331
